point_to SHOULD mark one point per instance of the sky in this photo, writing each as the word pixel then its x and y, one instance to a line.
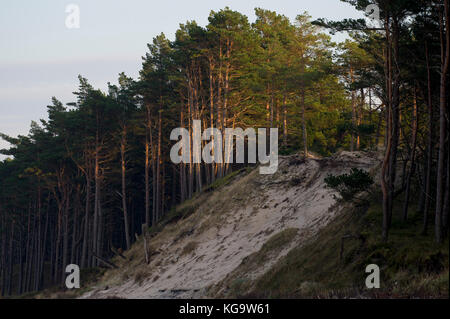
pixel 40 57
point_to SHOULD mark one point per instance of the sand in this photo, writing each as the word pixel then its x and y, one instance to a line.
pixel 233 223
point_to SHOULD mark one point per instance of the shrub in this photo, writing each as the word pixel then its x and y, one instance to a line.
pixel 348 185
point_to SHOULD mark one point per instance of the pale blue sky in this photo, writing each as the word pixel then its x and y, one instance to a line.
pixel 41 58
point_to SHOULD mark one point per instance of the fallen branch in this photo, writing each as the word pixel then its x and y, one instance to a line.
pixel 155 253
pixel 118 253
pixel 107 263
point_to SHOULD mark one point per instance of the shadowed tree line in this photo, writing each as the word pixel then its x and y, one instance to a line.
pixel 411 44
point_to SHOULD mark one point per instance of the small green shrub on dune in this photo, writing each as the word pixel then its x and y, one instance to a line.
pixel 349 185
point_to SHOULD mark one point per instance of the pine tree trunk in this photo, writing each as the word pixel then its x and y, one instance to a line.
pixel 285 129
pixel 10 254
pixel 427 202
pixel 211 110
pixel 148 150
pixel 446 206
pixel 84 254
pixel 183 191
pixel 124 193
pixel 96 228
pixel 305 136
pixel 412 157
pixel 158 172
pixel 352 142
pixel 65 235
pixel 385 171
pixel 442 123
pixel 395 118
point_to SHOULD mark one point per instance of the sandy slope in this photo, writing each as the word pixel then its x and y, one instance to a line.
pixel 229 225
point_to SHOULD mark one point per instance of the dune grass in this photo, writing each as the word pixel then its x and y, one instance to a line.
pixel 412 265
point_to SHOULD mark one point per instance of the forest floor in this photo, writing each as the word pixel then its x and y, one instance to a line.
pixel 255 236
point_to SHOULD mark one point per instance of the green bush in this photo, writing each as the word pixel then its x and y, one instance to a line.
pixel 348 185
